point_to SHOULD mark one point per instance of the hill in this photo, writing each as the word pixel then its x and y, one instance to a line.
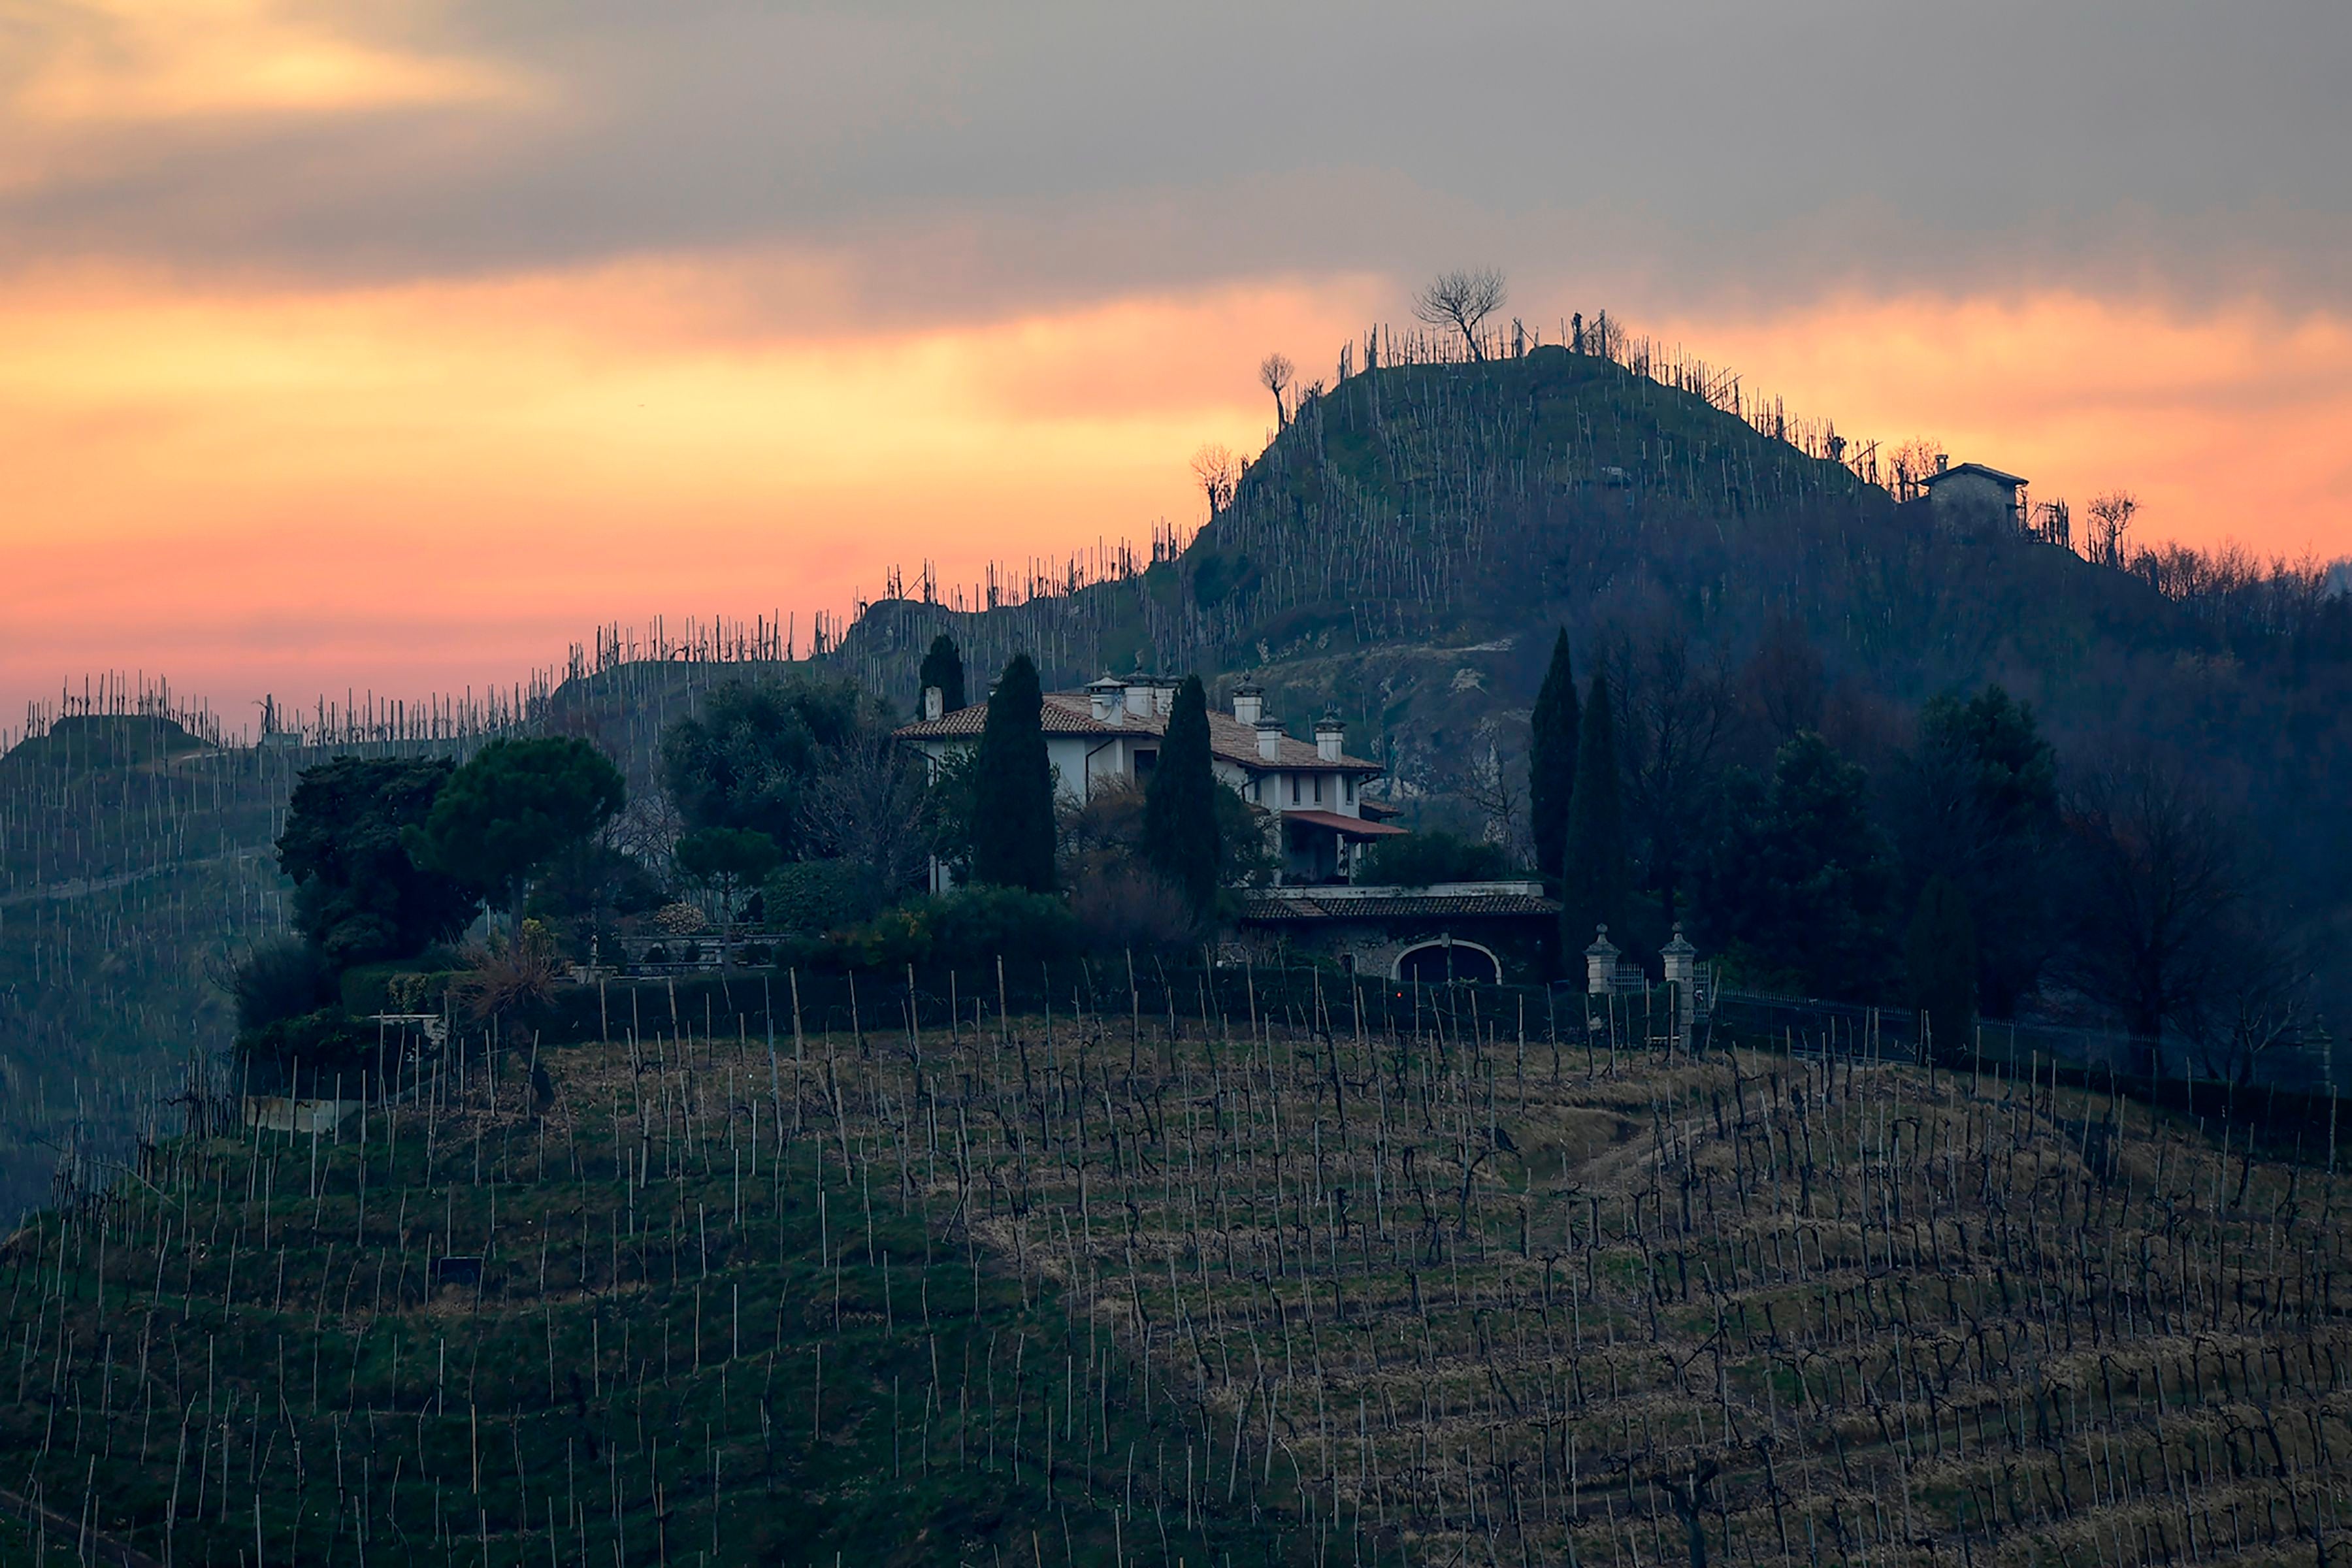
pixel 1294 1278
pixel 1403 550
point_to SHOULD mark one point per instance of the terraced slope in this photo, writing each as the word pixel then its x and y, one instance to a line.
pixel 1089 1290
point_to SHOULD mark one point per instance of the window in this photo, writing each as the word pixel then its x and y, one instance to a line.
pixel 1319 789
pixel 1348 783
pixel 1294 789
pixel 1144 762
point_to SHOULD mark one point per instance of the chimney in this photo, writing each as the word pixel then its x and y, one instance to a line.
pixel 1139 696
pixel 1269 739
pixel 1249 703
pixel 935 702
pixel 1107 697
pixel 1163 698
pixel 1330 733
pixel 1943 462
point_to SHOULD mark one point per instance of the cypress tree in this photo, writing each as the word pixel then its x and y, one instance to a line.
pixel 1180 806
pixel 1592 864
pixel 1940 953
pixel 1013 786
pixel 1551 759
pixel 943 667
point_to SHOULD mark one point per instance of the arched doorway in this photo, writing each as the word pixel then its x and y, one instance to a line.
pixel 1441 962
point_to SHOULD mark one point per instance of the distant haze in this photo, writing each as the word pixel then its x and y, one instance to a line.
pixel 344 351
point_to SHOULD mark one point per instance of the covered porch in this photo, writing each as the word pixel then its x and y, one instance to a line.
pixel 1320 848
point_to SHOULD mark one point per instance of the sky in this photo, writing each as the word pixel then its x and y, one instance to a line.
pixel 394 348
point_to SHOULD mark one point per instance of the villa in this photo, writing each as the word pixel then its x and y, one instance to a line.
pixel 1320 817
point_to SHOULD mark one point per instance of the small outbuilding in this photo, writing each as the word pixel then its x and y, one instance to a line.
pixel 1967 497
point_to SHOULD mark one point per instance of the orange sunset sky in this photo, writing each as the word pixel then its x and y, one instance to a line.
pixel 339 353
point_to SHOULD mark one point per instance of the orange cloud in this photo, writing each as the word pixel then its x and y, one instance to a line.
pixel 2228 423
pixel 429 486
pixel 440 483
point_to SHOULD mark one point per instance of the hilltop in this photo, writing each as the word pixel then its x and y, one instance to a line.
pixel 1404 548
pixel 1426 507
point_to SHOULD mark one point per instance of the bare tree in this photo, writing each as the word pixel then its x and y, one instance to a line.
pixel 1784 681
pixel 1461 300
pixel 1497 792
pixel 1909 464
pixel 1275 375
pixel 867 807
pixel 2260 997
pixel 1674 712
pixel 2159 878
pixel 1219 473
pixel 2111 519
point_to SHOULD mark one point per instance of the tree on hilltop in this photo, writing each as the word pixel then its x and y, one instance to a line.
pixel 1461 300
pixel 1274 373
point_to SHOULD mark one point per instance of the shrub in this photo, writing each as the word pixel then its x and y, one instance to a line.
pixel 978 925
pixel 1121 908
pixel 413 986
pixel 971 927
pixel 1418 859
pixel 279 980
pixel 513 979
pixel 326 1040
pixel 812 897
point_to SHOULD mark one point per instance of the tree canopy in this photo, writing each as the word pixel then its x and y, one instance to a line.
pixel 747 759
pixel 1013 786
pixel 1419 859
pixel 1551 758
pixel 943 667
pixel 1939 959
pixel 1799 887
pixel 1592 862
pixel 728 862
pixel 1180 816
pixel 1977 803
pixel 358 895
pixel 514 809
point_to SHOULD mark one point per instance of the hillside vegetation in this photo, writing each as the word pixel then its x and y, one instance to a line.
pixel 1208 1289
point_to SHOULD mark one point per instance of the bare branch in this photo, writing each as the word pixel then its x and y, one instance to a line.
pixel 1461 300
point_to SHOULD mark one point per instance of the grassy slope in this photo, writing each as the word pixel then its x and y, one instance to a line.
pixel 1422 1292
pixel 664 1294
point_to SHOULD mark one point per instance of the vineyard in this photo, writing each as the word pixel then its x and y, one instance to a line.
pixel 1345 1278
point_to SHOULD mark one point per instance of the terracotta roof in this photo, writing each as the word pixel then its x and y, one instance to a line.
pixel 1347 827
pixel 1306 907
pixel 965 723
pixel 1072 713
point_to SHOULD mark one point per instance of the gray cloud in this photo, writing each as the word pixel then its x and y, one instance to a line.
pixel 968 157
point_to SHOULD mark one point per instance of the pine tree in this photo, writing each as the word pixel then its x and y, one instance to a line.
pixel 1013 786
pixel 943 667
pixel 1592 865
pixel 1940 953
pixel 1551 759
pixel 1180 814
